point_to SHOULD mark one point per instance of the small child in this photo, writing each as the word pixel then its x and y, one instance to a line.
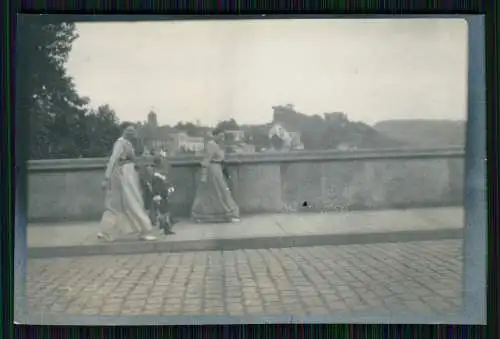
pixel 157 190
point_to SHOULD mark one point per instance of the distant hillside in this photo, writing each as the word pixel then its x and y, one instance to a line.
pixel 332 130
pixel 424 133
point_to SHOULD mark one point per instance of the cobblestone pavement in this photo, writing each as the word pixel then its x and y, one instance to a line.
pixel 420 277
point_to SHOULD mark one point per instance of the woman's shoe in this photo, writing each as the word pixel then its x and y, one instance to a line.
pixel 105 236
pixel 235 220
pixel 147 237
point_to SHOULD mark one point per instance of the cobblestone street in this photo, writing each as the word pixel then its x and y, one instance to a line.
pixel 421 277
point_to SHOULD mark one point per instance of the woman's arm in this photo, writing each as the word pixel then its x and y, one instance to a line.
pixel 209 153
pixel 117 151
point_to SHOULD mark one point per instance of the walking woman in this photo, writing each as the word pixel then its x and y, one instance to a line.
pixel 213 201
pixel 125 211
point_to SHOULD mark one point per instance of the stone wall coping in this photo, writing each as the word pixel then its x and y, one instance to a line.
pixel 82 164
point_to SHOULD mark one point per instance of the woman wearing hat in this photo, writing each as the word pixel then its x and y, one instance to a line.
pixel 124 201
pixel 213 201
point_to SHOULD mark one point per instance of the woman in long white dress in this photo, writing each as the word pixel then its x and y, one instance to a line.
pixel 125 211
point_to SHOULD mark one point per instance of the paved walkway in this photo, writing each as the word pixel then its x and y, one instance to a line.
pixel 412 277
pixel 259 231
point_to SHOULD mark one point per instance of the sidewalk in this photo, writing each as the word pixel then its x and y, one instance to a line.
pixel 258 231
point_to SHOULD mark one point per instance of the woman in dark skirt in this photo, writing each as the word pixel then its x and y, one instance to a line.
pixel 213 201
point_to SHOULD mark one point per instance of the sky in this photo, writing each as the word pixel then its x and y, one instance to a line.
pixel 207 71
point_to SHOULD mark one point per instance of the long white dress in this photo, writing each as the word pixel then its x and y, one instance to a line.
pixel 125 211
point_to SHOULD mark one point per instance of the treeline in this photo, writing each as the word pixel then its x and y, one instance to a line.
pixel 60 124
pixel 425 133
pixel 322 133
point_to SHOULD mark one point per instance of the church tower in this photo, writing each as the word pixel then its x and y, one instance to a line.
pixel 152 119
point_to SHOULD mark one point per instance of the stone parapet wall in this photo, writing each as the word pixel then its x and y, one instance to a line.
pixel 70 189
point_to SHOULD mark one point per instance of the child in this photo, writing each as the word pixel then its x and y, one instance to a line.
pixel 157 190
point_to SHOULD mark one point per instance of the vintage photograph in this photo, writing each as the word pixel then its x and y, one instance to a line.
pixel 265 167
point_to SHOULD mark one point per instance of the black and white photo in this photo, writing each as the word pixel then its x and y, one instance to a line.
pixel 256 167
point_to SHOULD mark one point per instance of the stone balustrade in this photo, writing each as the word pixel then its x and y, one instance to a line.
pixel 70 189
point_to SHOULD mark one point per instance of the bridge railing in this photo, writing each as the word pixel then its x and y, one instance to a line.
pixel 69 189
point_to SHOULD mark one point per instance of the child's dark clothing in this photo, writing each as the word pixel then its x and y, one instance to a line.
pixel 156 191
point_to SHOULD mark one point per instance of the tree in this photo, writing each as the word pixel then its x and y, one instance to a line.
pixel 189 128
pixel 45 91
pixel 228 125
pixel 102 130
pixel 257 135
pixel 276 142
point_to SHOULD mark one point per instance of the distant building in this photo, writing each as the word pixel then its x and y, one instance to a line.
pixel 156 137
pixel 235 142
pixel 336 117
pixel 279 131
pixel 279 137
pixel 235 135
pixel 152 135
pixel 152 119
pixel 184 143
pixel 167 138
pixel 283 115
pixel 296 143
pixel 290 140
